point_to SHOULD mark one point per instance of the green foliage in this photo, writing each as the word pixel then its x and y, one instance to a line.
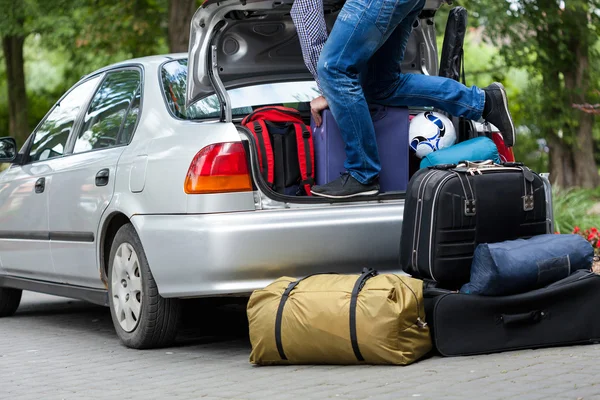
pixel 551 47
pixel 548 38
pixel 108 31
pixel 45 81
pixel 68 39
pixel 484 64
pixel 572 208
pixel 23 17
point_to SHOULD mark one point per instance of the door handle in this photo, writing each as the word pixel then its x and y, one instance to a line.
pixel 40 185
pixel 102 177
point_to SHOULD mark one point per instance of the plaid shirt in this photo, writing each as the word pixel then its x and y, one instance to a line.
pixel 309 19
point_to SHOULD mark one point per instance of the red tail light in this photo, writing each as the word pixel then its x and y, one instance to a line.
pixel 219 168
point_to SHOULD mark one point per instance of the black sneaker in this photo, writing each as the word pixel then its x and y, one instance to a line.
pixel 498 113
pixel 345 187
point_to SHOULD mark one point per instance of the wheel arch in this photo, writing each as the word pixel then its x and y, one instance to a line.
pixel 111 226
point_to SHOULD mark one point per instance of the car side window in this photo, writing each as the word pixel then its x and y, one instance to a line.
pixel 131 119
pixel 105 117
pixel 50 139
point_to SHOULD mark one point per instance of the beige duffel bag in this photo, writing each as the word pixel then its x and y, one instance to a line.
pixel 339 319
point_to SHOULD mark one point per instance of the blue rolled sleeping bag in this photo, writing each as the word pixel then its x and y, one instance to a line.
pixel 477 149
pixel 519 266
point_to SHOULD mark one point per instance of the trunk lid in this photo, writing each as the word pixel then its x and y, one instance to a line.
pixel 235 43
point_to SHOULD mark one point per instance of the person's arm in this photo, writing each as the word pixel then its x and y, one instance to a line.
pixel 309 19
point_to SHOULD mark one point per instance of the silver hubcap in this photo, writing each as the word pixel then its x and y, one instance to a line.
pixel 126 286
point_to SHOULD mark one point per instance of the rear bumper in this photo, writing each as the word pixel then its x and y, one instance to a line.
pixel 236 253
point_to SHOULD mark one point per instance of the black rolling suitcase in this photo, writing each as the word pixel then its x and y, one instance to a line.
pixel 449 210
pixel 562 313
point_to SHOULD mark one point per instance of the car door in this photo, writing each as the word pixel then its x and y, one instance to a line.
pixel 24 188
pixel 83 183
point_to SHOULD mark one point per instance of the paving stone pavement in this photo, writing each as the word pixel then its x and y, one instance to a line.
pixel 56 348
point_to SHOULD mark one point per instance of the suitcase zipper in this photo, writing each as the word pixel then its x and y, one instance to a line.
pixel 481 171
pixel 419 216
pixel 442 183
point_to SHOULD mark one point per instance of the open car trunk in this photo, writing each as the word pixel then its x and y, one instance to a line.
pixel 236 43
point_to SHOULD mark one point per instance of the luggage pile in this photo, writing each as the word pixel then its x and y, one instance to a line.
pixel 485 275
pixel 496 279
pixel 485 272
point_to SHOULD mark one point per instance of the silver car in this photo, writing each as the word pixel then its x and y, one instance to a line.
pixel 139 187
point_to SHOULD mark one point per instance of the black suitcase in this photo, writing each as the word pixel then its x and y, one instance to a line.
pixel 449 210
pixel 563 313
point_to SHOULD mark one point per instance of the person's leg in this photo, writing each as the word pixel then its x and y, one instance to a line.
pixel 414 90
pixel 385 66
pixel 360 29
pixel 385 84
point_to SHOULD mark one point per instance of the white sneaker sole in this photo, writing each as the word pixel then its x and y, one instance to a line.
pixel 349 196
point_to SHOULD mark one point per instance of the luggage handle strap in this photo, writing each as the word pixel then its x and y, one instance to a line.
pixel 476 164
pixel 528 197
pixel 474 168
pixel 360 282
pixel 470 204
pixel 279 316
pixel 517 319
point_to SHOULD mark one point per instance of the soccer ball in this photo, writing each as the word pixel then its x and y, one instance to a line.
pixel 429 132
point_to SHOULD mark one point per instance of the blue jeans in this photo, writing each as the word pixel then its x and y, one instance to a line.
pixel 361 62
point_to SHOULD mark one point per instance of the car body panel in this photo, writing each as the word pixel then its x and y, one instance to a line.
pixel 213 254
pixel 24 238
pixel 77 205
pixel 166 146
pixel 210 244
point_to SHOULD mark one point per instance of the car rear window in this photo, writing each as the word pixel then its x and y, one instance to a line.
pixel 244 100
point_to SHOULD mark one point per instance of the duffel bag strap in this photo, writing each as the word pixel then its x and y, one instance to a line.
pixel 360 283
pixel 367 273
pixel 279 316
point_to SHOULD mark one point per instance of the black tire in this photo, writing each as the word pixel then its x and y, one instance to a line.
pixel 9 301
pixel 159 317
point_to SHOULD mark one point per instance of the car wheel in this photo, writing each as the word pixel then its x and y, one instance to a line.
pixel 142 317
pixel 9 301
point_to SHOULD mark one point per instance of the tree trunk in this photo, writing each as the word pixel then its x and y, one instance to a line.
pixel 562 168
pixel 17 96
pixel 577 82
pixel 586 171
pixel 180 17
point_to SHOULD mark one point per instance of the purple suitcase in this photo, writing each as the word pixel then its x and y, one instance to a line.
pixel 391 130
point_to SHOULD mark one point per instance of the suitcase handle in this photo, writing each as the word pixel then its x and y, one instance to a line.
pixel 517 319
pixel 443 167
pixel 476 164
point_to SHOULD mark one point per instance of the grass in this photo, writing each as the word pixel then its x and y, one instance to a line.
pixel 571 209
